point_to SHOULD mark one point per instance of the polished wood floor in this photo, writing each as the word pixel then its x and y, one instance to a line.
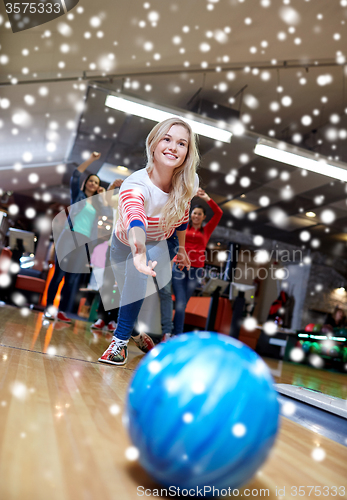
pixel 61 433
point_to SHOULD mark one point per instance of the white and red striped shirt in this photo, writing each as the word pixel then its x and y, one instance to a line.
pixel 140 204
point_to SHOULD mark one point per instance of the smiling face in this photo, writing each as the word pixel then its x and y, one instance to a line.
pixel 172 149
pixel 92 185
pixel 197 217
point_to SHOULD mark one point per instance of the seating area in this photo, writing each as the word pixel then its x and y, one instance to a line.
pixel 24 282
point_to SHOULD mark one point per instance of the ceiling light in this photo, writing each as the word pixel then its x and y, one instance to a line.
pixel 310 214
pixel 156 114
pixel 300 158
pixel 123 169
pixel 32 165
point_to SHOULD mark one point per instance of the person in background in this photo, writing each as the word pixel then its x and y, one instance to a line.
pixel 165 293
pixel 107 314
pixel 337 318
pixel 184 281
pixel 97 261
pixel 153 203
pixel 74 242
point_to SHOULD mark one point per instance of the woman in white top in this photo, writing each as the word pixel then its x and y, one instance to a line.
pixel 153 202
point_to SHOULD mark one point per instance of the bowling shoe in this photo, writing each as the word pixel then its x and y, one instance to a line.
pixel 116 353
pixel 62 317
pixel 48 315
pixel 143 342
pixel 98 325
pixel 111 326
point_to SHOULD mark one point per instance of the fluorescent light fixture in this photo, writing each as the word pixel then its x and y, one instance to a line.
pixel 138 108
pixel 108 172
pixel 301 159
pixel 34 165
pixel 310 214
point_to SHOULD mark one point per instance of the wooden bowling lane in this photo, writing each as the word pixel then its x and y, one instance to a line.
pixel 293 462
pixel 37 334
pixel 61 432
pixel 328 382
pixel 61 435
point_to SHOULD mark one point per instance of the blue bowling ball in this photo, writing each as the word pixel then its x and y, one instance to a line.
pixel 202 411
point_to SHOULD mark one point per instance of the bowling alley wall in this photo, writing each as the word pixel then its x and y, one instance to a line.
pixel 326 289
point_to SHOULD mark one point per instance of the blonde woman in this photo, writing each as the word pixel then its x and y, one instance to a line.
pixel 153 203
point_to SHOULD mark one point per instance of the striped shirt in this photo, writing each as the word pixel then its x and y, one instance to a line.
pixel 140 204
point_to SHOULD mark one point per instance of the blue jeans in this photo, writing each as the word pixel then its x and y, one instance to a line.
pixel 133 285
pixel 166 306
pixel 184 283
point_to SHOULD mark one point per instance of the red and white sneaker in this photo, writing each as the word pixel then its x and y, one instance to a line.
pixel 111 326
pixel 116 353
pixel 143 342
pixel 98 325
pixel 62 317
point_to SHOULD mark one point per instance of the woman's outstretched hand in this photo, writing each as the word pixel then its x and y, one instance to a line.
pixel 182 260
pixel 137 241
pixel 140 262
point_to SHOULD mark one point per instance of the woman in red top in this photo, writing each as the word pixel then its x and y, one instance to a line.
pixel 184 281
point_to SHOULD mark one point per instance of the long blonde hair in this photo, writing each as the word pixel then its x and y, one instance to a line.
pixel 183 178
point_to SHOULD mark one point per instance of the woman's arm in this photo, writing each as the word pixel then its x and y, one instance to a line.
pixel 76 176
pixel 217 213
pixel 131 205
pixel 182 257
pixel 137 242
pixel 102 192
pixel 110 195
pixel 94 156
